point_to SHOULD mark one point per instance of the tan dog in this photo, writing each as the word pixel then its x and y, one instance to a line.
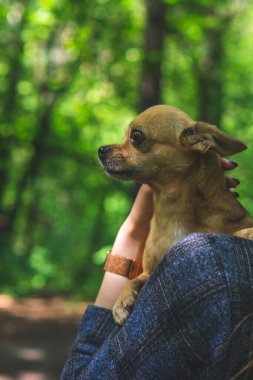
pixel 180 160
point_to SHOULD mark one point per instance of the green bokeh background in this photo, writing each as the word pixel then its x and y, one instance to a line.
pixel 71 74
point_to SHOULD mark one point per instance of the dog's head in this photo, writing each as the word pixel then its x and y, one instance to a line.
pixel 163 142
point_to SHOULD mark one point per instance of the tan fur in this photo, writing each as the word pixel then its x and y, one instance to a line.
pixel 180 160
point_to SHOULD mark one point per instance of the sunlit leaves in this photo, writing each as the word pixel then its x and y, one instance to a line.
pixel 74 70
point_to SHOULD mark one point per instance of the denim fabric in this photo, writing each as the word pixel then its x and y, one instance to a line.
pixel 188 321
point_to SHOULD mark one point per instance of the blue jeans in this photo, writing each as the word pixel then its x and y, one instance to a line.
pixel 192 319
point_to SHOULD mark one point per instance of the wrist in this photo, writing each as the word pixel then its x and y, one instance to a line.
pixel 110 290
pixel 122 265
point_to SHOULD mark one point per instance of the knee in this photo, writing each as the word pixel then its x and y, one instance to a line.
pixel 192 260
pixel 197 257
pixel 195 240
pixel 192 245
pixel 198 243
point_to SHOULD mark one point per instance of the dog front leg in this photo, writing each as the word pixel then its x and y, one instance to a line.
pixel 124 304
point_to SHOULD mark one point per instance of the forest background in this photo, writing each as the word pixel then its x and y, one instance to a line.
pixel 72 76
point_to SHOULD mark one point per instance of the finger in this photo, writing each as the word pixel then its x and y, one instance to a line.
pixel 232 182
pixel 228 164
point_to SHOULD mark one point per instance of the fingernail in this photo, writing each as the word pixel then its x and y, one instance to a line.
pixel 235 194
pixel 233 163
pixel 236 180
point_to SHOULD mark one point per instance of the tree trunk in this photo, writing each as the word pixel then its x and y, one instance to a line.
pixel 210 86
pixel 150 90
pixel 209 74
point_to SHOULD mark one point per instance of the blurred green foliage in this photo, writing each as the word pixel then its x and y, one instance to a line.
pixel 70 80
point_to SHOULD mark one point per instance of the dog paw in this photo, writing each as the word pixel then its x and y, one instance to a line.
pixel 123 307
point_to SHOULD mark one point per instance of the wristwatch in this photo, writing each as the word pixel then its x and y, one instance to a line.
pixel 121 265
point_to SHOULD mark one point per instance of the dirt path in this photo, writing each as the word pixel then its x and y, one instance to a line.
pixel 35 337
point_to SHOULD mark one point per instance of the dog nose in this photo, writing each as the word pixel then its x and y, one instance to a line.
pixel 103 150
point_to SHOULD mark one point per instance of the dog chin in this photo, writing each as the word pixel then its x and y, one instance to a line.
pixel 120 174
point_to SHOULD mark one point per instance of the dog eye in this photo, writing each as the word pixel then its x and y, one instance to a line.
pixel 137 137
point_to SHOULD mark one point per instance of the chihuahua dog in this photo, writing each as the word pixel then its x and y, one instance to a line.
pixel 180 160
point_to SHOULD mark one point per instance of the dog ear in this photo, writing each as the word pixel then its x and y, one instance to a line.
pixel 202 137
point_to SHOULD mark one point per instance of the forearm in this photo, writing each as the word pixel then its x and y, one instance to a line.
pixel 130 243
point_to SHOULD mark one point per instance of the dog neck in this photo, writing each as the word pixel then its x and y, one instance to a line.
pixel 198 200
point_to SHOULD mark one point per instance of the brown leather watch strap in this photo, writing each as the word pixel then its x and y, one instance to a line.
pixel 123 266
